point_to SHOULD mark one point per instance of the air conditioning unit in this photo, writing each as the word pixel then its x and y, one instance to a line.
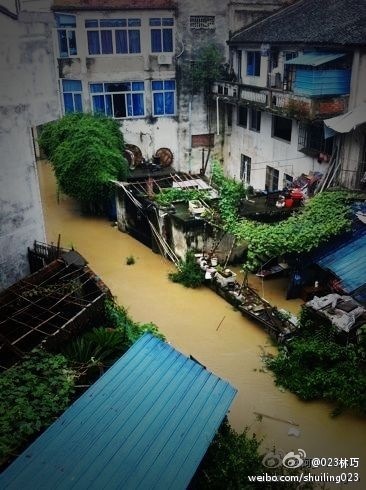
pixel 165 59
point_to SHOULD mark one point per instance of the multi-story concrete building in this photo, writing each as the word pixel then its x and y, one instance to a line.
pixel 28 98
pixel 294 69
pixel 127 60
pixel 124 59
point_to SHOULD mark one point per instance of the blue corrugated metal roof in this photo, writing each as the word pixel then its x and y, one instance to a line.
pixel 146 423
pixel 314 58
pixel 348 262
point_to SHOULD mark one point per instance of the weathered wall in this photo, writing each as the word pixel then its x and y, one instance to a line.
pixel 229 16
pixel 265 150
pixel 28 98
pixel 245 12
pixel 148 133
pixel 353 163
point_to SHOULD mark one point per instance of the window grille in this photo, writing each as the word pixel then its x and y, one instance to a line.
pixel 202 22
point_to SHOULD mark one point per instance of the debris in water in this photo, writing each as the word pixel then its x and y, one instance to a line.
pixel 293 432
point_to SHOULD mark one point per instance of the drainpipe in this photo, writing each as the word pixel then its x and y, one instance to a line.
pixel 190 135
pixel 217 117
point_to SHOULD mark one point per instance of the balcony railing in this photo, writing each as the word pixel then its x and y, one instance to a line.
pixel 281 102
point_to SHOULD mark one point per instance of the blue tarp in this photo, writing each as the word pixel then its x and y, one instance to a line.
pixel 348 262
pixel 147 423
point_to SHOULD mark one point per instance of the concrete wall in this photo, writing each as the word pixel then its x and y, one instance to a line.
pixel 28 97
pixel 229 16
pixel 263 149
pixel 353 165
pixel 148 133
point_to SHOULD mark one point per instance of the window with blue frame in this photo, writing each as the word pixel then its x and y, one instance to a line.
pixel 72 93
pixel 163 92
pixel 161 34
pixel 253 63
pixel 113 36
pixel 66 25
pixel 118 99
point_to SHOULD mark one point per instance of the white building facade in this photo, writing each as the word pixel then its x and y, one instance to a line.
pixel 290 76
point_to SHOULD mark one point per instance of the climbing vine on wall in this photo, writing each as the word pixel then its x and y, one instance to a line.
pixel 326 215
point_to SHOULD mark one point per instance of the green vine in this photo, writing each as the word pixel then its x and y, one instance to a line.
pixel 231 193
pixel 325 216
pixel 169 195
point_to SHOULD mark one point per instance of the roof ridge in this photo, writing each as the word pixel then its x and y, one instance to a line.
pixel 264 19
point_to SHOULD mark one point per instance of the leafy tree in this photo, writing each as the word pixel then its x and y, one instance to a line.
pixel 86 152
pixel 204 70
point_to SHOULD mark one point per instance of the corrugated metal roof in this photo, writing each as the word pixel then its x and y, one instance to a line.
pixel 314 58
pixel 146 423
pixel 348 262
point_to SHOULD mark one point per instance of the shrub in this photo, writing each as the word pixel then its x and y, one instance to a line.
pixel 32 394
pixel 130 260
pixel 314 366
pixel 189 273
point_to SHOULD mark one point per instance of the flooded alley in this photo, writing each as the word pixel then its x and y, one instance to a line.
pixel 200 323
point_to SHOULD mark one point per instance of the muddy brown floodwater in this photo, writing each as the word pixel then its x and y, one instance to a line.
pixel 190 319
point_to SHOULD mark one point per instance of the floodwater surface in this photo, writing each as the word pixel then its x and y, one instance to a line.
pixel 200 323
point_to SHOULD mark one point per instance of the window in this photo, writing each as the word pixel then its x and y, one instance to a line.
pixel 287 181
pixel 161 35
pixel 245 168
pixel 281 128
pixel 238 54
pixel 202 22
pixel 71 93
pixel 271 179
pixel 242 116
pixel 289 71
pixel 253 63
pixel 312 140
pixel 119 100
pixel 229 112
pixel 255 120
pixel 163 92
pixel 113 36
pixel 66 25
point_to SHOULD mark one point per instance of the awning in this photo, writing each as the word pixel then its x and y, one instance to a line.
pixel 314 58
pixel 346 122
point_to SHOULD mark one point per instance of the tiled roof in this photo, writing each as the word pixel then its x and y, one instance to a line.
pixel 113 4
pixel 336 22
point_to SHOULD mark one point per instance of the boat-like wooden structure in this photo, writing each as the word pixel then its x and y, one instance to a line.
pixel 279 324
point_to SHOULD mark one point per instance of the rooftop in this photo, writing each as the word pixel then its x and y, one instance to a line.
pixel 146 423
pixel 113 4
pixel 335 22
